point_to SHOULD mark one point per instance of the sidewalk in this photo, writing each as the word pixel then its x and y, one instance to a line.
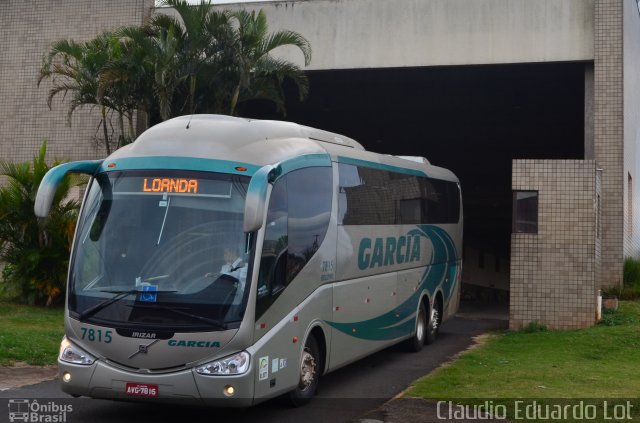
pixel 22 374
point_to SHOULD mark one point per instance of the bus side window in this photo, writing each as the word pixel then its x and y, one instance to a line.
pixel 272 275
pixel 310 192
pixel 441 201
pixel 297 221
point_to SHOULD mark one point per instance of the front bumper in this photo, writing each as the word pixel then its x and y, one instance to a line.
pixel 102 380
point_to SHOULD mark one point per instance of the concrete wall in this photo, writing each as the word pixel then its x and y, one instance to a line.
pixel 343 34
pixel 348 34
pixel 554 271
pixel 608 133
pixel 631 81
pixel 27 28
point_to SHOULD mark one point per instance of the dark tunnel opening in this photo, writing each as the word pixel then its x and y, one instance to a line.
pixel 471 119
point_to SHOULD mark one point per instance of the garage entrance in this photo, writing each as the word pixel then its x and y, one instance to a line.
pixel 471 119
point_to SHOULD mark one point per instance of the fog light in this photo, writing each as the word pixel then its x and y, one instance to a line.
pixel 66 376
pixel 229 390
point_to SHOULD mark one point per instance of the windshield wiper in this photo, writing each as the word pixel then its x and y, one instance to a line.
pixel 211 322
pixel 164 220
pixel 117 297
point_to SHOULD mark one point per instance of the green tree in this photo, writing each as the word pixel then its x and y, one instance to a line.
pixel 75 70
pixel 142 76
pixel 259 75
pixel 35 253
pixel 99 73
pixel 200 60
pixel 125 78
pixel 200 34
pixel 226 58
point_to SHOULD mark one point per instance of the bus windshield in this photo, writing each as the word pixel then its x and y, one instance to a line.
pixel 161 250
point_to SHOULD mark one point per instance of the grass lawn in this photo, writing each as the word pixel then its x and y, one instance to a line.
pixel 30 334
pixel 599 362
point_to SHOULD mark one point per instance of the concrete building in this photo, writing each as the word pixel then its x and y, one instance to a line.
pixel 27 29
pixel 535 104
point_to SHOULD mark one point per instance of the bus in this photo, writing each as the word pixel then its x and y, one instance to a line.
pixel 227 261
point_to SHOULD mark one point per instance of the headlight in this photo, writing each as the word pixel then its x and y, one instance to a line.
pixel 236 364
pixel 72 354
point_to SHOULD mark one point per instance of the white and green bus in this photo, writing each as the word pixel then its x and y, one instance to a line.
pixel 228 261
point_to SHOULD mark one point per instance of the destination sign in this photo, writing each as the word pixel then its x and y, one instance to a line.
pixel 184 183
pixel 181 185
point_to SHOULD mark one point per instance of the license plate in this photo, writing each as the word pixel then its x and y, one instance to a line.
pixel 141 390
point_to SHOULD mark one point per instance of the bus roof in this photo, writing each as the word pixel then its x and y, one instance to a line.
pixel 258 142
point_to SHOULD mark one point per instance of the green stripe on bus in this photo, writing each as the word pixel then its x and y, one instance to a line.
pixel 386 326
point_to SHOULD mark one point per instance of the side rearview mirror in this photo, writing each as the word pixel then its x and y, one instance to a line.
pixel 53 178
pixel 256 198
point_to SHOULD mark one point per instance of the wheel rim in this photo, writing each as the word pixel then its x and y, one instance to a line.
pixel 420 325
pixel 435 315
pixel 307 370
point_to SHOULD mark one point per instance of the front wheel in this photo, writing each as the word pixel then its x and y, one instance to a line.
pixel 309 374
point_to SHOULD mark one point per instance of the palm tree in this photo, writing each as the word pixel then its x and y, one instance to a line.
pixel 143 74
pixel 123 79
pixel 35 253
pixel 76 69
pixel 195 36
pixel 201 60
pixel 227 57
pixel 258 74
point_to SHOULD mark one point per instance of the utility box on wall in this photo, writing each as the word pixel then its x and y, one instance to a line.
pixel 555 243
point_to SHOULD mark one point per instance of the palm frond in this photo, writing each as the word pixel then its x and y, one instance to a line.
pixel 286 38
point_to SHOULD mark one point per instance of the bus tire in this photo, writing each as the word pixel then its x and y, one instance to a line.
pixel 309 374
pixel 435 317
pixel 416 342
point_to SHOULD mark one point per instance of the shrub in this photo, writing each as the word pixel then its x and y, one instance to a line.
pixel 630 290
pixel 631 275
pixel 35 252
pixel 625 315
pixel 609 318
pixel 533 327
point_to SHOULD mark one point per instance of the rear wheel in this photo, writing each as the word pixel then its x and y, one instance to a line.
pixel 416 342
pixel 309 374
pixel 435 318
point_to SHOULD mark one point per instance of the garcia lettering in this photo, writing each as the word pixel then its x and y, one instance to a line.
pixel 388 251
pixel 194 344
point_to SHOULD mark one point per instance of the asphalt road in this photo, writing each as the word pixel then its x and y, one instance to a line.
pixel 343 396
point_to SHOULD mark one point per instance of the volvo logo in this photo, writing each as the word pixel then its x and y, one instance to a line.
pixel 143 349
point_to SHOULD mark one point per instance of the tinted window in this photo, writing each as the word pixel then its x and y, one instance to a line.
pixel 411 210
pixel 297 220
pixel 363 193
pixel 271 279
pixel 441 201
pixel 370 196
pixel 525 216
pixel 309 198
pixel 171 231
